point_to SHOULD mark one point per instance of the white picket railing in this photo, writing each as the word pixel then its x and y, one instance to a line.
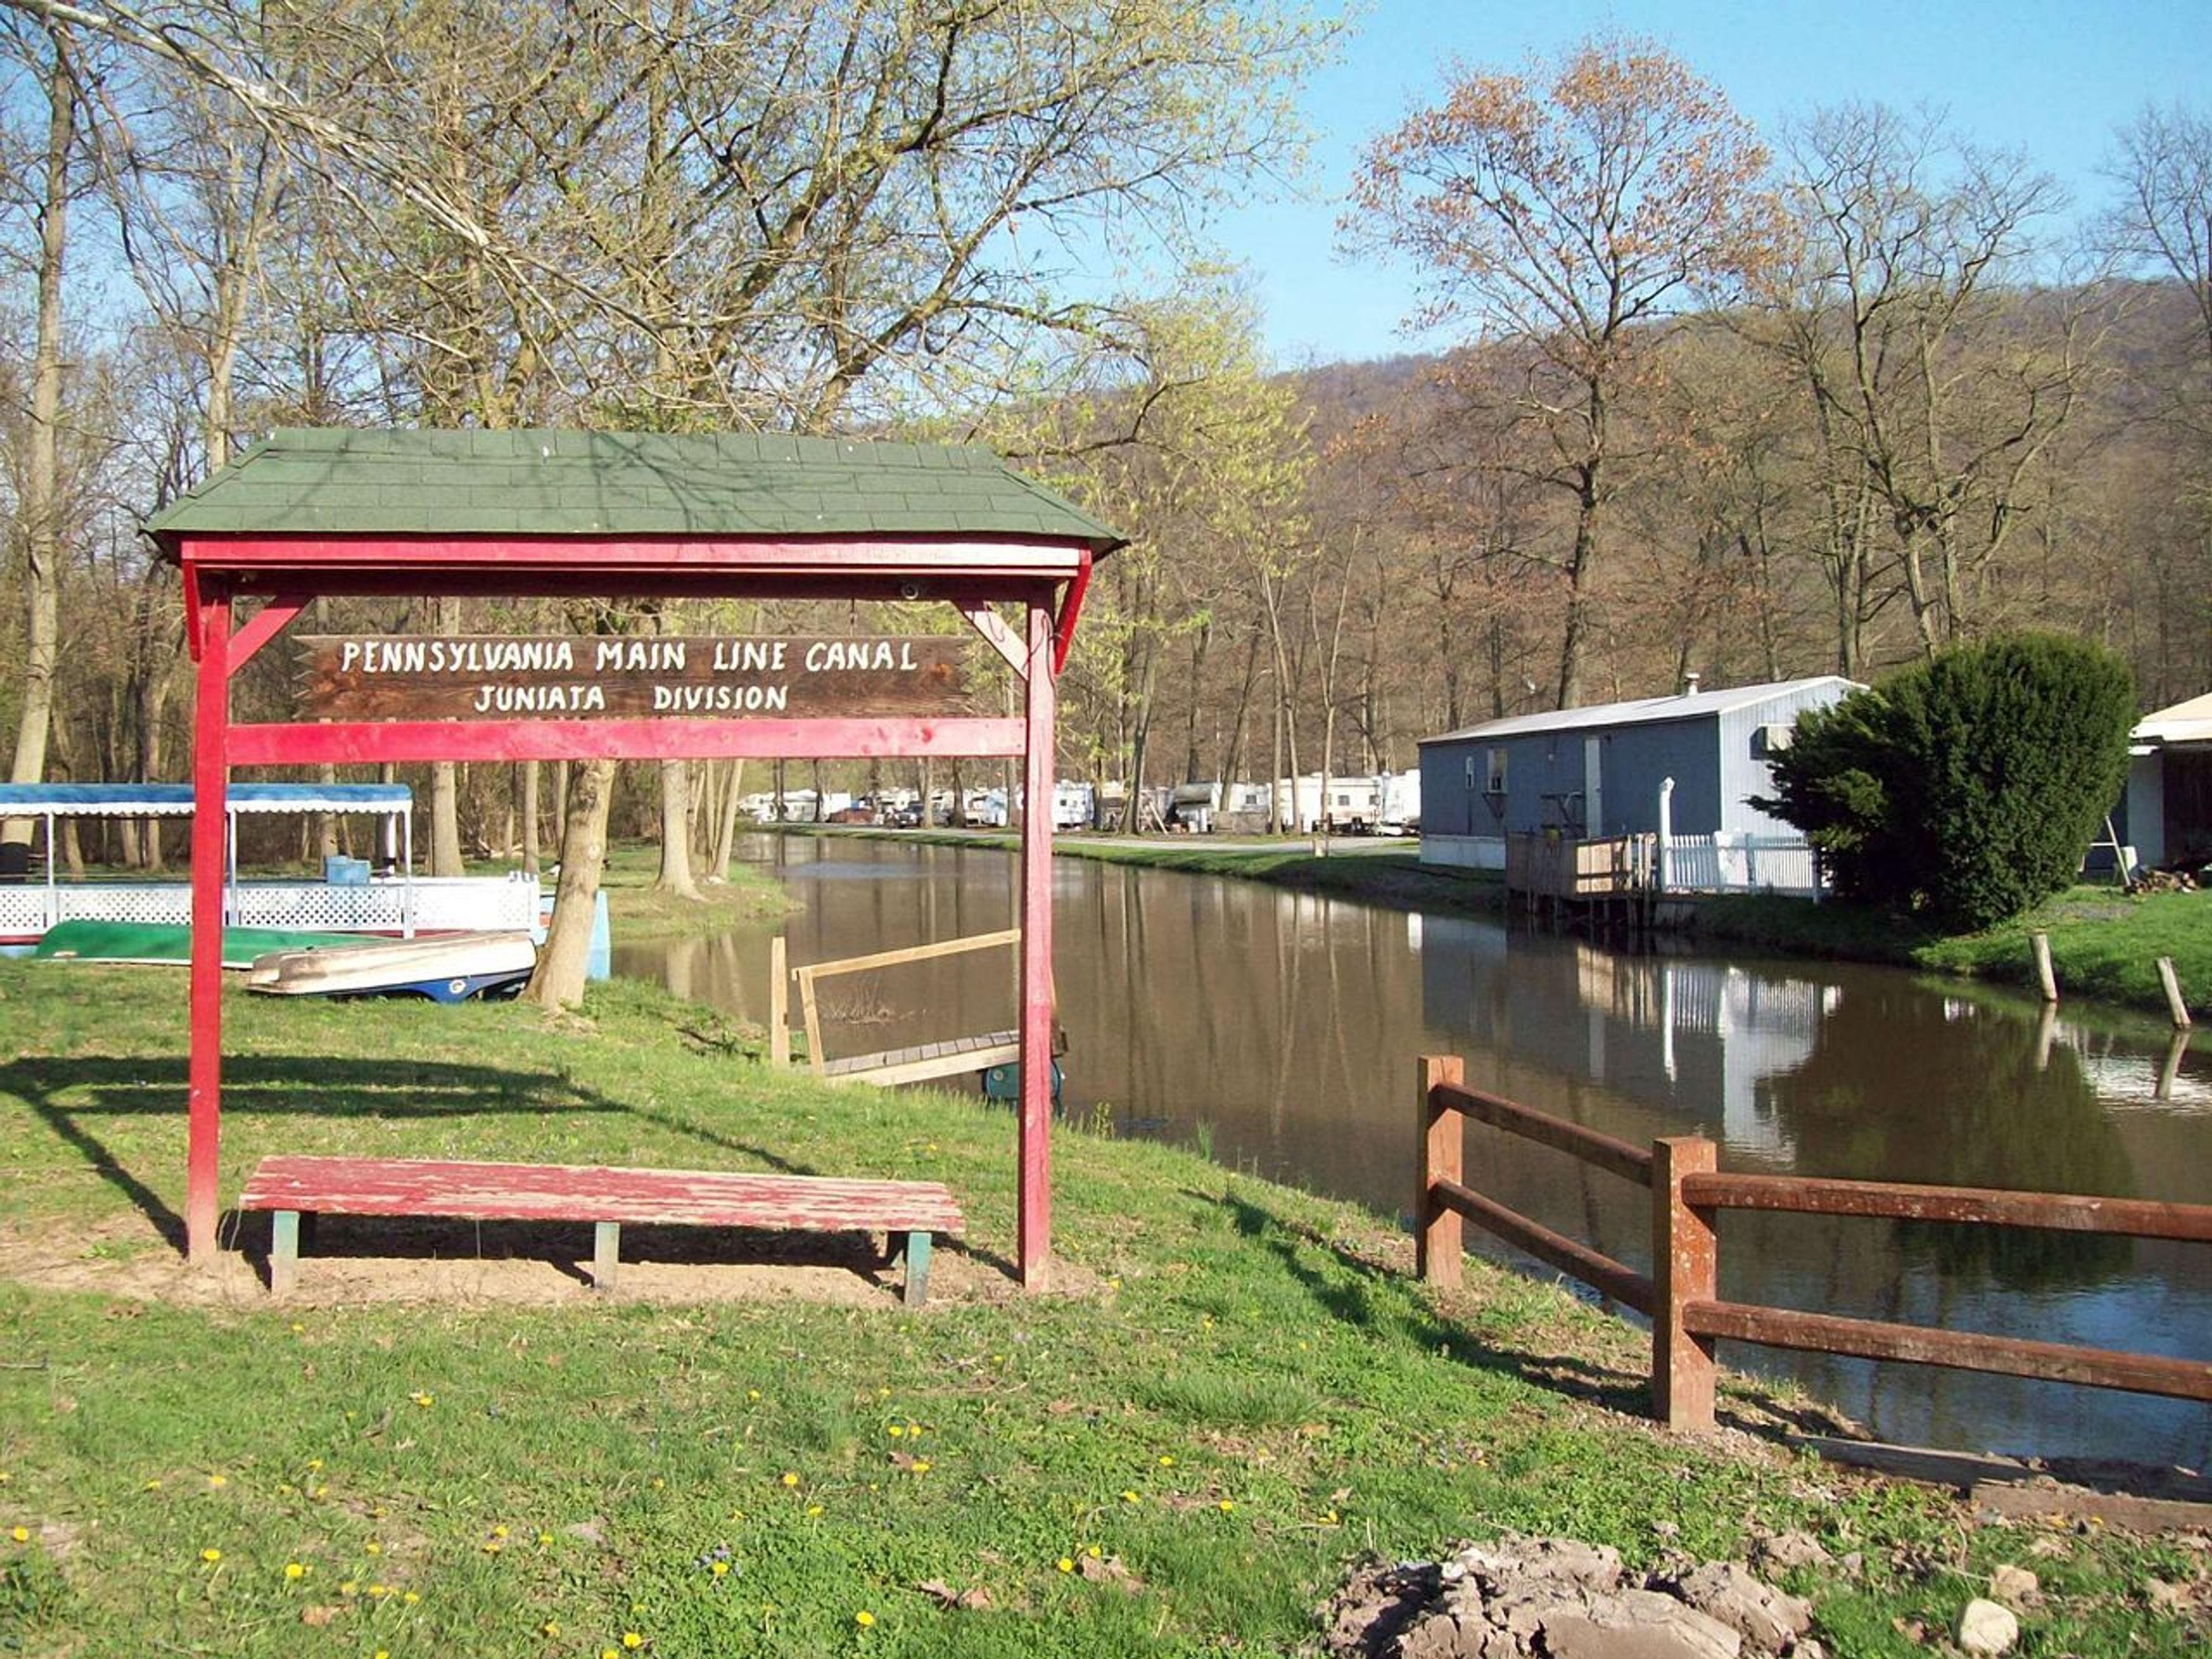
pixel 1739 862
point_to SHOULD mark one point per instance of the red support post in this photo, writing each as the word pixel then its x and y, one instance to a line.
pixel 1438 1245
pixel 1035 1185
pixel 210 827
pixel 1685 1269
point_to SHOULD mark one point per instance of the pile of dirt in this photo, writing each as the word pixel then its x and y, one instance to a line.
pixel 1556 1598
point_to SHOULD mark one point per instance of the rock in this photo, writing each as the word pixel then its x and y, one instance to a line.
pixel 1638 1624
pixel 2016 1587
pixel 1806 1647
pixel 1524 1561
pixel 1986 1628
pixel 1790 1549
pixel 1765 1617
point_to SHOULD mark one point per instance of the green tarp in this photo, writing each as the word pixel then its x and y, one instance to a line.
pixel 165 942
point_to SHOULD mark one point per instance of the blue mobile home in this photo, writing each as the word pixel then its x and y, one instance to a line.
pixel 1596 772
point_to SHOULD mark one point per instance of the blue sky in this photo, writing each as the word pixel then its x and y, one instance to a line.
pixel 2051 79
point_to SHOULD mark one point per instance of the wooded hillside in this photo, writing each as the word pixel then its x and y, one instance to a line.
pixel 1746 404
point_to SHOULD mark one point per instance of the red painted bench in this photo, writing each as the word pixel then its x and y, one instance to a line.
pixel 292 1186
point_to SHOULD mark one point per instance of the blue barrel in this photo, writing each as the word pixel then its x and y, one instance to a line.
pixel 1005 1083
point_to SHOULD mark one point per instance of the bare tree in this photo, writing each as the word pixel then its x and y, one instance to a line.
pixel 1573 208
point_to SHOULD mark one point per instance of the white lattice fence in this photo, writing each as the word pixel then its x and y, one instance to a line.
pixel 441 905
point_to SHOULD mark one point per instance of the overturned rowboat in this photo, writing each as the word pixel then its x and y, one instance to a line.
pixel 449 968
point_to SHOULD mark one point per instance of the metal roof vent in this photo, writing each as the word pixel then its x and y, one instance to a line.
pixel 1690 682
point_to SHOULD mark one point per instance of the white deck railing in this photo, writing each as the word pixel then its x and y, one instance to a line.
pixel 1739 862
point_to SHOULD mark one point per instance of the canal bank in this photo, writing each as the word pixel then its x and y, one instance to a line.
pixel 1278 1030
pixel 2104 944
pixel 1237 1390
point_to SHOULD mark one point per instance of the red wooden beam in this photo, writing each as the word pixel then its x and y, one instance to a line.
pixel 1071 607
pixel 520 560
pixel 307 743
pixel 211 826
pixel 1034 1184
pixel 1000 638
pixel 271 621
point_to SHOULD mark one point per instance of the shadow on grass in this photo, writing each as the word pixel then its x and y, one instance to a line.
pixel 63 1094
pixel 1373 1298
pixel 1370 1298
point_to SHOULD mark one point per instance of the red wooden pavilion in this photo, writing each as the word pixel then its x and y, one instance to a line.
pixel 622 516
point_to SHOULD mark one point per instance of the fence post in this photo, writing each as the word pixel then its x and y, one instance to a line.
pixel 779 1003
pixel 1436 1230
pixel 1684 1269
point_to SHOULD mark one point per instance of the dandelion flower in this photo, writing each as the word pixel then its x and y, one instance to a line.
pixel 752 1393
pixel 295 1570
pixel 211 1556
pixel 1128 1496
pixel 790 1478
pixel 1092 1552
pixel 314 1463
pixel 411 1598
pixel 373 1547
pixel 544 1537
pixel 379 1590
pixel 154 1485
pixel 721 1569
pixel 632 1640
pixel 814 1509
pixel 1166 1462
pixel 20 1535
pixel 492 1547
pixel 499 1532
pixel 551 1628
pixel 864 1618
pixel 921 1466
pixel 657 1483
pixel 422 1397
pixel 1225 1506
pixel 1066 1564
pixel 349 1588
pixel 218 1481
pixel 895 1431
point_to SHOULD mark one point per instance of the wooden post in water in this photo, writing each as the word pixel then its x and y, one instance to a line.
pixel 779 1003
pixel 2044 976
pixel 1438 1244
pixel 2172 1069
pixel 2176 1003
pixel 1685 1268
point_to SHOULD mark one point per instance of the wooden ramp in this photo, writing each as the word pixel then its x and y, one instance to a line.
pixel 919 1063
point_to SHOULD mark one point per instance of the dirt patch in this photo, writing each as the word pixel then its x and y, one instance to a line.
pixel 355 1262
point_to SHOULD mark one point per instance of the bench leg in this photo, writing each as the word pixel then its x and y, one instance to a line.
pixel 283 1251
pixel 606 1251
pixel 917 1268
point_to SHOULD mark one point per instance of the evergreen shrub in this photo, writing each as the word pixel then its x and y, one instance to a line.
pixel 1968 785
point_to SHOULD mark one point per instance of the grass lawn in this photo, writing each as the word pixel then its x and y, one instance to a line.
pixel 637 912
pixel 1235 1391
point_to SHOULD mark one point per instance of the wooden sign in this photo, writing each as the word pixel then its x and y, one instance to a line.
pixel 412 677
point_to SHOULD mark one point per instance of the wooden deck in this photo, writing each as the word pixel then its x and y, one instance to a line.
pixel 919 1064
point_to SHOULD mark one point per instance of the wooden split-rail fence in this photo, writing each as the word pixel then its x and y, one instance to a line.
pixel 1680 1296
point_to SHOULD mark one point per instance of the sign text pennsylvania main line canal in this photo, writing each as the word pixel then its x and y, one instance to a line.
pixel 350 677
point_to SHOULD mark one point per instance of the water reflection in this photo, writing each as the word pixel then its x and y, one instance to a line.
pixel 1283 1028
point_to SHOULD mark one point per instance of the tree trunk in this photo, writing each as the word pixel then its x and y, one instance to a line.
pixel 41 498
pixel 558 980
pixel 725 832
pixel 530 810
pixel 445 776
pixel 676 832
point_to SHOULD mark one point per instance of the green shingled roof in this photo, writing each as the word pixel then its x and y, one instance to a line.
pixel 612 483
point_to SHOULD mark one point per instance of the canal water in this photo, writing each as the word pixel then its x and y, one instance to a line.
pixel 1280 1030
